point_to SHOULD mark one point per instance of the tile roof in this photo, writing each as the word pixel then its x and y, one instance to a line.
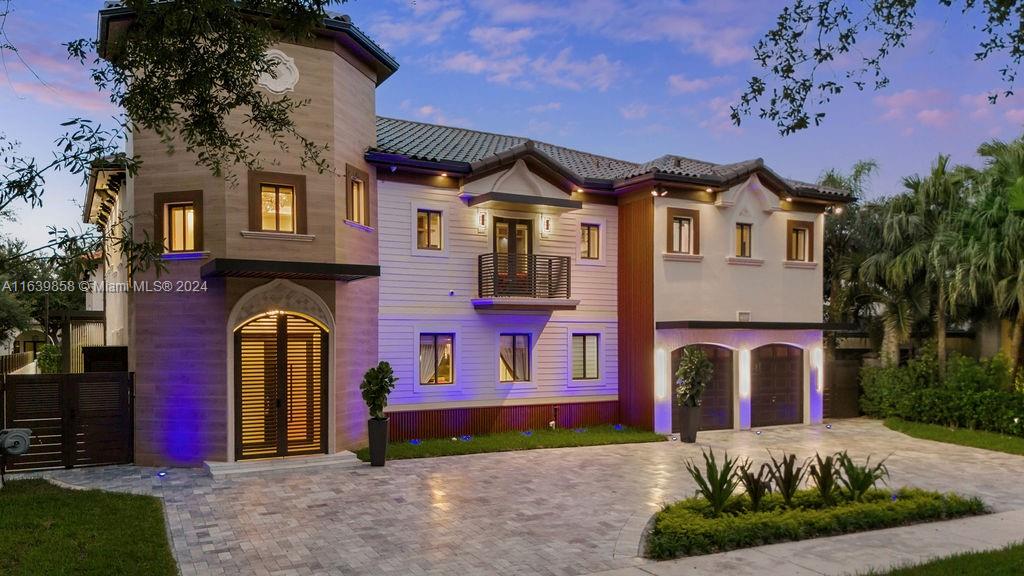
pixel 436 143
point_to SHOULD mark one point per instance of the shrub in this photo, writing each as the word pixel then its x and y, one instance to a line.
pixel 857 479
pixel 756 485
pixel 693 376
pixel 825 474
pixel 377 383
pixel 685 528
pixel 787 476
pixel 716 483
pixel 48 358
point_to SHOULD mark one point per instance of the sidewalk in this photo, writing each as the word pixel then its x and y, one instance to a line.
pixel 850 553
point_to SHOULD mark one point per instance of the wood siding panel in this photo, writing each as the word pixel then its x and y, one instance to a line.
pixel 636 312
pixel 451 422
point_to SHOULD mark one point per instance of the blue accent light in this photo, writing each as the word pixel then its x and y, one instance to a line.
pixel 415 441
pixel 161 473
pixel 528 433
pixel 895 497
pixel 466 438
pixel 579 430
pixel 619 427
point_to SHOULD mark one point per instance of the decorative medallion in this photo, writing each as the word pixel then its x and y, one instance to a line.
pixel 285 76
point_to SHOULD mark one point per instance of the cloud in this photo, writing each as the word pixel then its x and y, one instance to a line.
pixel 597 73
pixel 546 107
pixel 433 114
pixel 717 116
pixel 680 84
pixel 1015 115
pixel 926 107
pixel 61 95
pixel 421 29
pixel 935 117
pixel 496 69
pixel 635 111
pixel 500 41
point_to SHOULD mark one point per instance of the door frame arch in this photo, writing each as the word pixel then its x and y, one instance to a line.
pixel 284 296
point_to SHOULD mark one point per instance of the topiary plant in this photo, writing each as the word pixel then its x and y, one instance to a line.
pixel 377 383
pixel 693 376
pixel 48 359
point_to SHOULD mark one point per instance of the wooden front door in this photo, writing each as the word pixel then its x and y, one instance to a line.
pixel 513 244
pixel 716 403
pixel 776 385
pixel 280 387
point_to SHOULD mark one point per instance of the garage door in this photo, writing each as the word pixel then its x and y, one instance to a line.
pixel 776 385
pixel 716 407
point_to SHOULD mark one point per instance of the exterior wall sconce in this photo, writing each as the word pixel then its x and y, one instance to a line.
pixel 546 225
pixel 481 221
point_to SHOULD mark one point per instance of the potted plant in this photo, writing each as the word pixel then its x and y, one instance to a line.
pixel 377 383
pixel 692 376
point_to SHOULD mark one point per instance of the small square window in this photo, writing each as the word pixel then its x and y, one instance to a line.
pixel 428 229
pixel 514 357
pixel 437 359
pixel 277 213
pixel 743 240
pixel 590 241
pixel 585 356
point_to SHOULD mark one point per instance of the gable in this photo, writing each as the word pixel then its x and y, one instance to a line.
pixel 518 180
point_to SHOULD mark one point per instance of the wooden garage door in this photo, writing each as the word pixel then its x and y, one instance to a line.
pixel 776 385
pixel 716 407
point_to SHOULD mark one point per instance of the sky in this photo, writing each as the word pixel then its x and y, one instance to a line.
pixel 628 79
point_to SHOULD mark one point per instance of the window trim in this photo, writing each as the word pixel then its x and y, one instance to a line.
pixel 353 174
pixel 694 216
pixel 596 228
pixel 808 227
pixel 603 377
pixel 602 241
pixel 529 357
pixel 160 202
pixel 572 360
pixel 414 249
pixel 736 247
pixel 435 331
pixel 297 182
pixel 534 340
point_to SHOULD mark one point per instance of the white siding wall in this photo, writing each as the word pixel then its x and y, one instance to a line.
pixel 432 292
pixel 714 288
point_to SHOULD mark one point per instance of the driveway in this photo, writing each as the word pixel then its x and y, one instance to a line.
pixel 551 512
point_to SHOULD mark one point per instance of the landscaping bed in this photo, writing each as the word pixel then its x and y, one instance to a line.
pixel 960 436
pixel 48 530
pixel 777 505
pixel 509 441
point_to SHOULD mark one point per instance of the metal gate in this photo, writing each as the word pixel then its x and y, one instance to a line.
pixel 842 384
pixel 76 419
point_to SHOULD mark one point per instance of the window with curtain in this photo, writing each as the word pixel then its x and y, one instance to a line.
pixel 437 359
pixel 179 227
pixel 514 357
pixel 743 240
pixel 277 213
pixel 798 244
pixel 585 356
pixel 682 235
pixel 428 229
pixel 590 241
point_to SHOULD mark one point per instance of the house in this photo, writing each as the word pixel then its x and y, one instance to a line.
pixel 511 283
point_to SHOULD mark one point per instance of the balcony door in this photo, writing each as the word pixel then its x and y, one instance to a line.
pixel 513 244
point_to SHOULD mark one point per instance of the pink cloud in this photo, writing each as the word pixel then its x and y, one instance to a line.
pixel 1015 115
pixel 433 114
pixel 935 117
pixel 680 84
pixel 717 116
pixel 635 111
pixel 926 107
pixel 498 40
pixel 420 29
pixel 496 69
pixel 64 96
pixel 596 73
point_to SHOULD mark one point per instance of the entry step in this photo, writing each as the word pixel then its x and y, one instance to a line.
pixel 341 459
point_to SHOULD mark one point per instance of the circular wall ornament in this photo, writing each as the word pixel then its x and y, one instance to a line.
pixel 286 73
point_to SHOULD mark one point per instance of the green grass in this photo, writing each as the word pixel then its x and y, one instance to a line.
pixel 1008 561
pixel 46 530
pixel 688 528
pixel 962 436
pixel 508 441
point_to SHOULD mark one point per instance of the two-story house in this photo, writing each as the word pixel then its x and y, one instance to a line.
pixel 511 283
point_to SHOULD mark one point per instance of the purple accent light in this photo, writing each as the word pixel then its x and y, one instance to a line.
pixel 466 438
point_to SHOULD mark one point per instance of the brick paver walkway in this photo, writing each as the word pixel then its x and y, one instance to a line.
pixel 548 512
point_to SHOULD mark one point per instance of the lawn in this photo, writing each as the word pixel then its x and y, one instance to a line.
pixel 1008 561
pixel 689 528
pixel 962 436
pixel 508 441
pixel 47 530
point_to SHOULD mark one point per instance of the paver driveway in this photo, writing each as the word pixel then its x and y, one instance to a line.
pixel 562 511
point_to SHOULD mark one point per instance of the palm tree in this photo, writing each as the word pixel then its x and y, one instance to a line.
pixel 917 226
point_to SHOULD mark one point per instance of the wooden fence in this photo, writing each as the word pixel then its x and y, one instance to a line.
pixel 11 362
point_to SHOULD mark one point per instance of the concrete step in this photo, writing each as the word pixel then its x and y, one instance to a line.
pixel 340 459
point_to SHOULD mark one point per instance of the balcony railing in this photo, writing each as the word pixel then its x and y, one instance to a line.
pixel 524 276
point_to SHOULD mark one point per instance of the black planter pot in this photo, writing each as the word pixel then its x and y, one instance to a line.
pixel 378 432
pixel 690 424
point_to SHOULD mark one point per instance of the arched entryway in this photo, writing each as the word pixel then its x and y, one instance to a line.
pixel 281 383
pixel 776 385
pixel 716 405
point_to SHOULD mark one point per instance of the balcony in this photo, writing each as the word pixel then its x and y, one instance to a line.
pixel 524 282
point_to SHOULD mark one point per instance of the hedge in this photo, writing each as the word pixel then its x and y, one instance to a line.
pixel 687 528
pixel 975 394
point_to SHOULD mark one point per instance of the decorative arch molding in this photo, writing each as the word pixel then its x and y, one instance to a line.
pixel 282 295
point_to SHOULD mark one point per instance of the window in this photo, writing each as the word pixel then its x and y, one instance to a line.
pixel 357 190
pixel 585 356
pixel 428 229
pixel 277 208
pixel 743 240
pixel 683 231
pixel 437 359
pixel 179 227
pixel 277 202
pixel 590 241
pixel 178 218
pixel 800 241
pixel 514 358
